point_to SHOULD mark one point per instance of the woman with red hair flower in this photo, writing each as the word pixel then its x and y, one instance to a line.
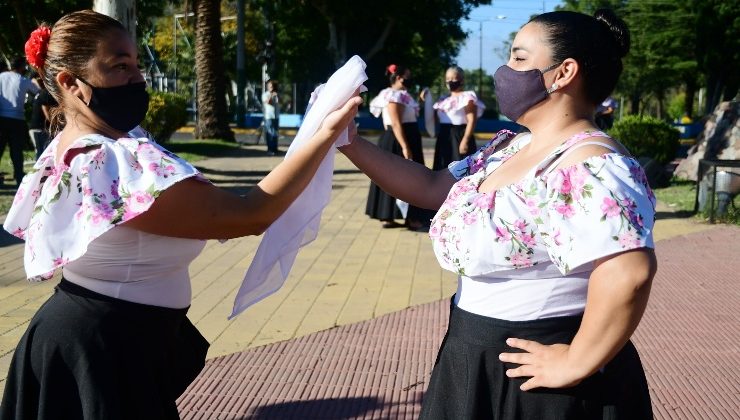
pixel 122 218
pixel 401 137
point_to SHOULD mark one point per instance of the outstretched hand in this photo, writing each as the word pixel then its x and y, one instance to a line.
pixel 338 120
pixel 547 366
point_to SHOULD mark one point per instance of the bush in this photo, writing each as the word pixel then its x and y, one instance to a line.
pixel 167 112
pixel 646 136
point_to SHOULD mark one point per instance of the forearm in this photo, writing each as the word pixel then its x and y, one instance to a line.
pixel 401 178
pixel 470 119
pixel 617 296
pixel 286 181
pixel 398 133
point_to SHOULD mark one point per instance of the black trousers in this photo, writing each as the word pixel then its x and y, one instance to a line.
pixel 14 133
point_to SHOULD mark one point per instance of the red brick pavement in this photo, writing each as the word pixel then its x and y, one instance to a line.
pixel 378 369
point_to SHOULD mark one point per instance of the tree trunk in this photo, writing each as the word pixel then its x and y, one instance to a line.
pixel 123 11
pixel 635 103
pixel 688 105
pixel 212 120
pixel 19 8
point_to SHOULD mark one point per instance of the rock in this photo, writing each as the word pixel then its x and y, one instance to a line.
pixel 720 139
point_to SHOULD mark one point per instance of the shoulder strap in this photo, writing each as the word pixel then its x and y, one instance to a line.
pixel 554 164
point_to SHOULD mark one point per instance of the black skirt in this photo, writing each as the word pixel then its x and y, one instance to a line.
pixel 470 382
pixel 89 356
pixel 381 205
pixel 447 147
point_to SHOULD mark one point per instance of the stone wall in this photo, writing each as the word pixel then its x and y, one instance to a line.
pixel 720 139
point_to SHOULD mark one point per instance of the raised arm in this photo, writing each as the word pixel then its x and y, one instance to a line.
pixel 402 178
pixel 618 293
pixel 194 209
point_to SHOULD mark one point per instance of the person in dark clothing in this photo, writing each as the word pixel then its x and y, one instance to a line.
pixel 38 128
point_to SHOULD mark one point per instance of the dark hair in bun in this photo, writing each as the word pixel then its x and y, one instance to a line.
pixel 394 71
pixel 617 27
pixel 597 43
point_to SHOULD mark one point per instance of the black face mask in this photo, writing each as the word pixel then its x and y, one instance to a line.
pixel 121 107
pixel 407 83
pixel 454 85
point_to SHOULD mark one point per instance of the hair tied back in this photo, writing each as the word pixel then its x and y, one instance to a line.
pixel 37 45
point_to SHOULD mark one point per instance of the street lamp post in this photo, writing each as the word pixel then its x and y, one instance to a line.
pixel 480 48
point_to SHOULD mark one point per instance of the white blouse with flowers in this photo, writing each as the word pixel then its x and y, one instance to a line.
pixel 451 108
pixel 64 209
pixel 526 250
pixel 379 105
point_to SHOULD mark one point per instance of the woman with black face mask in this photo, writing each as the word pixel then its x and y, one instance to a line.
pixel 457 114
pixel 401 137
pixel 550 233
pixel 122 218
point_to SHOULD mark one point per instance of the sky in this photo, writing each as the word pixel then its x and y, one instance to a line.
pixel 499 19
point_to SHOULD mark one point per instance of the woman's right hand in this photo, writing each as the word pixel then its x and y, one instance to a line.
pixel 407 153
pixel 337 121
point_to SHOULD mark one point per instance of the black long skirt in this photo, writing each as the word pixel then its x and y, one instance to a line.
pixel 89 356
pixel 447 147
pixel 381 205
pixel 470 382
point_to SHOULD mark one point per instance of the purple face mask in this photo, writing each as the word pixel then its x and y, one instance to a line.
pixel 517 91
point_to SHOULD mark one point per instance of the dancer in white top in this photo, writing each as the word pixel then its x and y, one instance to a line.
pixel 457 114
pixel 123 218
pixel 550 234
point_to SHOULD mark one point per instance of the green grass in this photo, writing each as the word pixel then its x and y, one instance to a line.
pixel 680 196
pixel 195 150
pixel 191 150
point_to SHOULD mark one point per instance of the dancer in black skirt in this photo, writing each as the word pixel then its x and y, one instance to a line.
pixel 123 218
pixel 401 137
pixel 457 114
pixel 550 233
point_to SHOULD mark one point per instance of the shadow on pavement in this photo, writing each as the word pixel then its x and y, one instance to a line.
pixel 327 409
pixel 6 239
pixel 681 214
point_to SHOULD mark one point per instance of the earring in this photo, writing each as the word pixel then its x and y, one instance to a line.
pixel 553 88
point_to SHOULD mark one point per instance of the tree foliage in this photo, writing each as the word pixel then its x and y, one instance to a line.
pixel 20 17
pixel 686 43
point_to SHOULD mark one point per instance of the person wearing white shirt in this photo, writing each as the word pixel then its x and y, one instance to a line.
pixel 271 106
pixel 14 89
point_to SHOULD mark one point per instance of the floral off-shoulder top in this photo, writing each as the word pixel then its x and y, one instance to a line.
pixel 380 103
pixel 569 216
pixel 451 108
pixel 60 208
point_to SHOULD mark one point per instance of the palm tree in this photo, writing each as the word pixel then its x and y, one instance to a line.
pixel 213 118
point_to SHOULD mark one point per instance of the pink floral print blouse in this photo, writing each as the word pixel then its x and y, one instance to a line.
pixel 451 108
pixel 569 216
pixel 389 95
pixel 59 209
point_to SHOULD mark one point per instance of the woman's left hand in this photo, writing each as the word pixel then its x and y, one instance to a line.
pixel 546 365
pixel 463 148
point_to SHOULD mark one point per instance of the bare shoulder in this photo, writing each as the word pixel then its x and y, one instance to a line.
pixel 599 146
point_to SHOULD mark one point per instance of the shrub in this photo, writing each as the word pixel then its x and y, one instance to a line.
pixel 167 112
pixel 646 136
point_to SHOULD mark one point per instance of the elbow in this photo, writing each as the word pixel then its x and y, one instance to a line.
pixel 640 275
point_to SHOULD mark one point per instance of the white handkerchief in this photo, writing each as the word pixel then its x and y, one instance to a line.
pixel 403 207
pixel 299 225
pixel 429 113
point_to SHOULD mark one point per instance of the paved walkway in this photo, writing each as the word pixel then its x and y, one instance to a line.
pixel 354 271
pixel 380 368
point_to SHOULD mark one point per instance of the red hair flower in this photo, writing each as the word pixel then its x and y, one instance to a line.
pixel 392 69
pixel 37 45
